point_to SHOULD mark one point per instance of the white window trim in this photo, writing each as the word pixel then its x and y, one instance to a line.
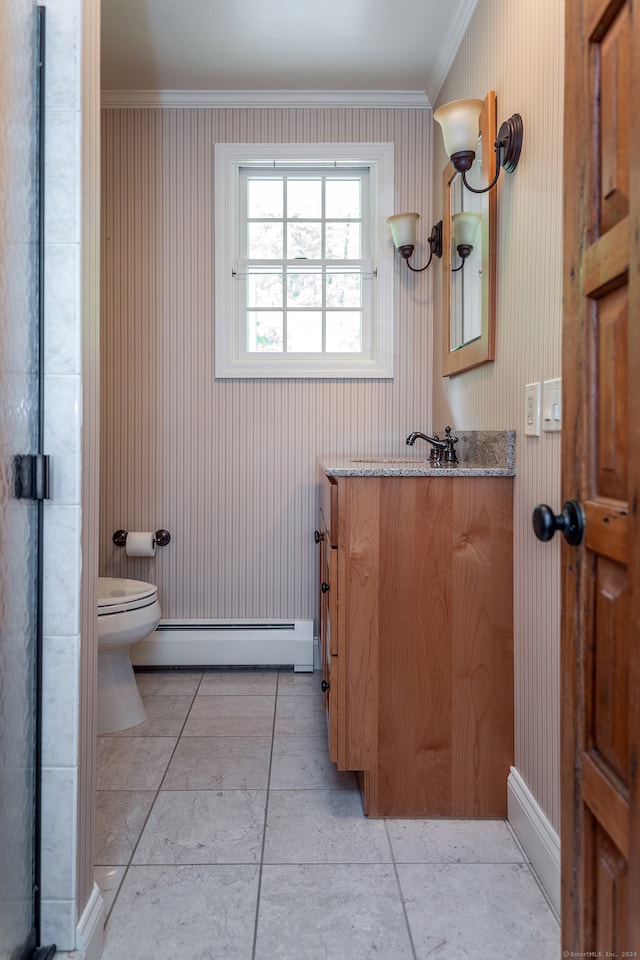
pixel 228 158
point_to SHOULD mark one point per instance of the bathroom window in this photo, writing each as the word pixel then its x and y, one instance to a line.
pixel 303 269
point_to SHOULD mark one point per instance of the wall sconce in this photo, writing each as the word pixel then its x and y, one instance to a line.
pixel 403 231
pixel 465 231
pixel 459 121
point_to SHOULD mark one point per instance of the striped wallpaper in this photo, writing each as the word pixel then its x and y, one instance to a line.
pixel 229 467
pixel 517 49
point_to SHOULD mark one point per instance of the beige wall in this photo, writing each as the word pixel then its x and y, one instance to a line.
pixel 228 467
pixel 517 49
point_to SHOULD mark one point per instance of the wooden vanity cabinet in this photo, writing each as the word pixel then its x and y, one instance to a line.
pixel 416 633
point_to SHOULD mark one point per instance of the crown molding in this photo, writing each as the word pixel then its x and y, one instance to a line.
pixel 450 47
pixel 265 99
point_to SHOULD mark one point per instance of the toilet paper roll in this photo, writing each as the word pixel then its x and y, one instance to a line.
pixel 141 544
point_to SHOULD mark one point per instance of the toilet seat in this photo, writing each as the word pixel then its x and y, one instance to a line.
pixel 117 595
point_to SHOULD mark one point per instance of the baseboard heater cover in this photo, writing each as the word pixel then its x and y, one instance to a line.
pixel 228 643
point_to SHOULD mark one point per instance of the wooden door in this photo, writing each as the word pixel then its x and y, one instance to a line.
pixel 600 831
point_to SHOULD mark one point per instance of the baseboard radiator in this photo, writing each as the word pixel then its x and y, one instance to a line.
pixel 227 643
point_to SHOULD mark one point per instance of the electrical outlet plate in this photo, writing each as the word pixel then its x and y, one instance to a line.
pixel 552 405
pixel 532 394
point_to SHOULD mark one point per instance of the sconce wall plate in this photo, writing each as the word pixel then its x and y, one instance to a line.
pixel 510 137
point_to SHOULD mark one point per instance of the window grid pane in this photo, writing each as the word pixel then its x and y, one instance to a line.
pixel 265 331
pixel 325 296
pixel 319 307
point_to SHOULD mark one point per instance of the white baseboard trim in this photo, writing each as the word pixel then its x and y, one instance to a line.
pixel 90 929
pixel 228 643
pixel 539 840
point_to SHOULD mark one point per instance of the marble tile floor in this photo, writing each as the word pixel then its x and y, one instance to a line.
pixel 223 832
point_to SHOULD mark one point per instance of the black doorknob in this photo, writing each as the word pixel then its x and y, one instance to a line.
pixel 324 586
pixel 324 686
pixel 570 522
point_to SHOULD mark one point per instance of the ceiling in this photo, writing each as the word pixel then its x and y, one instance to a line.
pixel 277 45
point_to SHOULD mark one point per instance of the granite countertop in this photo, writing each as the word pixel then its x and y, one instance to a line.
pixel 481 453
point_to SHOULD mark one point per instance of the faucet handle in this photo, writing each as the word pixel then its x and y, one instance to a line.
pixel 449 455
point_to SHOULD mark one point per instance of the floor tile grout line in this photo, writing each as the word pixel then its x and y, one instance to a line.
pixel 157 791
pixel 264 826
pixel 400 891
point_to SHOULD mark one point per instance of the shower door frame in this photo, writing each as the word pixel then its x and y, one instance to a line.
pixel 30 483
pixel 43 469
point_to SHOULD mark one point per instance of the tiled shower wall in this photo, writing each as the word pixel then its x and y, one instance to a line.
pixel 228 466
pixel 71 427
pixel 517 49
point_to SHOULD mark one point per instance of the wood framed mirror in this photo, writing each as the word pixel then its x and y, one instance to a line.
pixel 469 293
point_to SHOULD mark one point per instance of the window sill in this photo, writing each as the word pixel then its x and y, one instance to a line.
pixel 265 366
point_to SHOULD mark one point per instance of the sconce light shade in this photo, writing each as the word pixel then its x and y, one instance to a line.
pixel 403 229
pixel 465 228
pixel 460 122
pixel 465 231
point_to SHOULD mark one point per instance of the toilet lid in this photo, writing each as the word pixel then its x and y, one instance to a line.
pixel 118 592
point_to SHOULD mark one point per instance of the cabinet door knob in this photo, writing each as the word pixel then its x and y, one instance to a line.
pixel 324 686
pixel 324 586
pixel 317 536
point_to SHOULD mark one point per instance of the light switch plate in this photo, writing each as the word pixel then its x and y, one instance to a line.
pixel 552 405
pixel 532 395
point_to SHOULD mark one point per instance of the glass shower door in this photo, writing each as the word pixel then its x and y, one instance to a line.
pixel 22 472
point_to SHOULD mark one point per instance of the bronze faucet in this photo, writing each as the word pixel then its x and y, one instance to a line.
pixel 441 450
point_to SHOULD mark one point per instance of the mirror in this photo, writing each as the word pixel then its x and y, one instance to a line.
pixel 469 291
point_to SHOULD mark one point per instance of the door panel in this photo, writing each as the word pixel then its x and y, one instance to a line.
pixel 612 311
pixel 610 668
pixel 601 468
pixel 612 63
pixel 611 890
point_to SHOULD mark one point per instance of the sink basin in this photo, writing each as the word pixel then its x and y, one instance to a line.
pixel 415 460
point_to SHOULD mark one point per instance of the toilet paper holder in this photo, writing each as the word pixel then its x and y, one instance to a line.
pixel 161 538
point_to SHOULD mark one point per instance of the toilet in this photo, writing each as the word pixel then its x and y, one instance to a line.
pixel 128 611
